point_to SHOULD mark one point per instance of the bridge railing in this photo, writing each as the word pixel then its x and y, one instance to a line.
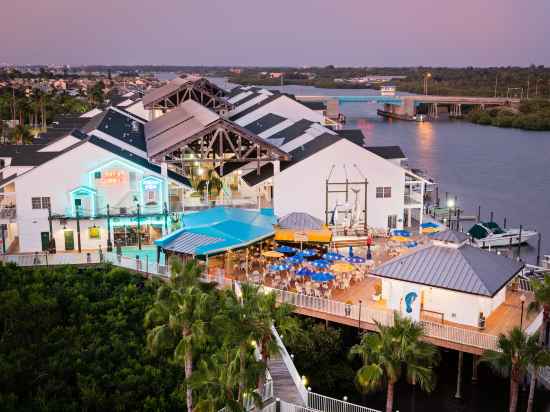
pixel 327 404
pixel 289 363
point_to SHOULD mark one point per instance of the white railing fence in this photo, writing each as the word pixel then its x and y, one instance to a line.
pixel 353 312
pixel 327 404
pixel 289 363
pixel 290 407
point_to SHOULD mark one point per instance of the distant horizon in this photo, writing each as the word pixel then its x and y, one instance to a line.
pixel 52 65
pixel 285 33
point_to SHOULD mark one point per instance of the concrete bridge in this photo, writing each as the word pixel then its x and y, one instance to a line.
pixel 406 107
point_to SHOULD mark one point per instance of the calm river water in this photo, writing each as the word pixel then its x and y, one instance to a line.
pixel 506 171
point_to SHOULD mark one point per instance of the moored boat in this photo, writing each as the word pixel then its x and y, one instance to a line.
pixel 489 234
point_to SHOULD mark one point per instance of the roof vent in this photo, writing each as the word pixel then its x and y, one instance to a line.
pixel 135 126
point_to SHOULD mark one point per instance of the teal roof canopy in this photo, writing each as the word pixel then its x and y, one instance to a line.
pixel 231 228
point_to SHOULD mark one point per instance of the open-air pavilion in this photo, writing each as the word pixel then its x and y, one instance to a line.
pixel 220 236
pixel 183 88
pixel 194 134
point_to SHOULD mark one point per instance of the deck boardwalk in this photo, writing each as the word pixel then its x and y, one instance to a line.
pixel 283 385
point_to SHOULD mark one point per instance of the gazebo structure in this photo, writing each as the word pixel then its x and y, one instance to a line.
pixel 193 133
pixel 183 88
pixel 302 227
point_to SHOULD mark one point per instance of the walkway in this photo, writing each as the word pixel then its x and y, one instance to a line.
pixel 283 384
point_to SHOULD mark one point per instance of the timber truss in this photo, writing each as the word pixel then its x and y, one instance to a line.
pixel 219 143
pixel 181 89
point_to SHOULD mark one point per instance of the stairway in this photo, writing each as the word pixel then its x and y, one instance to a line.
pixel 283 385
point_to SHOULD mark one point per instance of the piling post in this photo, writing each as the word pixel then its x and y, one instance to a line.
pixel 458 394
pixel 475 363
pixel 519 242
pixel 478 213
pixel 504 226
pixel 491 218
pixel 538 248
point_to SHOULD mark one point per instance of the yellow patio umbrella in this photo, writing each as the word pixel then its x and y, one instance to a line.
pixel 342 267
pixel 272 254
pixel 400 238
pixel 430 230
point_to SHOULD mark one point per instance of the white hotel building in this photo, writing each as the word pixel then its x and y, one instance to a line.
pixel 128 169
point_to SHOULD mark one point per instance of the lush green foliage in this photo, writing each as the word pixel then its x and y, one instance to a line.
pixel 517 352
pixel 320 354
pixel 466 81
pixel 74 340
pixel 394 351
pixel 532 115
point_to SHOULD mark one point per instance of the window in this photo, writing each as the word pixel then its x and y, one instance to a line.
pixel 40 202
pixel 383 192
pixel 46 203
pixel 36 203
pixel 392 221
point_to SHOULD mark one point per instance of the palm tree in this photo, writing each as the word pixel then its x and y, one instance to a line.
pixel 178 318
pixel 516 351
pixel 541 290
pixel 21 134
pixel 538 359
pixel 270 314
pixel 240 314
pixel 395 349
pixel 212 180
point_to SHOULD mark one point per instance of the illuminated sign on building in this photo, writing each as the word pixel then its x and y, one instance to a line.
pixel 113 177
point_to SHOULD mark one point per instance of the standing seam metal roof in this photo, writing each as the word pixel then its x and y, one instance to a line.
pixel 464 269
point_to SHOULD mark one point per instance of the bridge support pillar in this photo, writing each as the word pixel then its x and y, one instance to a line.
pixel 458 394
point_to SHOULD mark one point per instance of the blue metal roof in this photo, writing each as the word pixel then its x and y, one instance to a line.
pixel 222 228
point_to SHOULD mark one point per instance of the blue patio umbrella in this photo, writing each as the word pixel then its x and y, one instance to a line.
pixel 322 277
pixel 286 249
pixel 304 272
pixel 429 225
pixel 279 268
pixel 332 256
pixel 294 260
pixel 321 263
pixel 308 252
pixel 412 244
pixel 355 259
pixel 404 233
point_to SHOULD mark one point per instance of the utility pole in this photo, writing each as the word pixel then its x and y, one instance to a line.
pixel 528 81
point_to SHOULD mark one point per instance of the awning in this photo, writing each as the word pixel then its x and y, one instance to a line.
pixel 188 242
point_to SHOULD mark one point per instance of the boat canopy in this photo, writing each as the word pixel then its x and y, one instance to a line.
pixel 484 229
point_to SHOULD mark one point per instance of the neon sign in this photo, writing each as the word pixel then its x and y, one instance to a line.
pixel 113 177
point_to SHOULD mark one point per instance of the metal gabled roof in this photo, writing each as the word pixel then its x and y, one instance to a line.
pixel 464 269
pixel 300 221
pixel 450 236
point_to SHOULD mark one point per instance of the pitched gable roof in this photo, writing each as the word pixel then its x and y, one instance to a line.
pixel 464 269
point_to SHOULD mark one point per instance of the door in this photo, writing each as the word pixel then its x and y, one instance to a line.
pixel 69 240
pixel 45 239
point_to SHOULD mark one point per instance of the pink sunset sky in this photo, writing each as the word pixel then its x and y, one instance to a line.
pixel 282 32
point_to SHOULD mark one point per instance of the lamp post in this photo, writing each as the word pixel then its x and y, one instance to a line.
pixel 138 228
pixel 360 305
pixel 109 242
pixel 450 205
pixel 522 299
pixel 426 77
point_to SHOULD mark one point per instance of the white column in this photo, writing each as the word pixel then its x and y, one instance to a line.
pixel 276 171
